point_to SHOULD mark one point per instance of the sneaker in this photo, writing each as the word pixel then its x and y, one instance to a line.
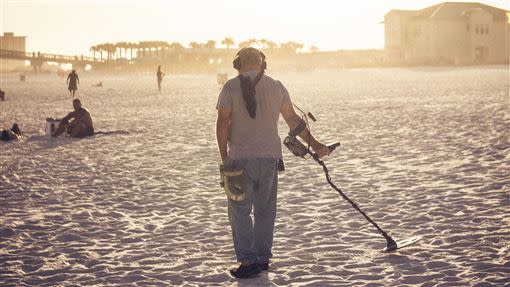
pixel 248 271
pixel 263 266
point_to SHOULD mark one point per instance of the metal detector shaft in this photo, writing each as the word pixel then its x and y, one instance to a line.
pixel 391 244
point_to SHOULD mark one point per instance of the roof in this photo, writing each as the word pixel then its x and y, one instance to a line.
pixel 453 11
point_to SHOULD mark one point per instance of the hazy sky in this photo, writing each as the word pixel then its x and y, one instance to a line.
pixel 73 26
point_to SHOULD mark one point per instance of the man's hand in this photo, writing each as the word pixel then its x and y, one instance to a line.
pixel 321 150
pixel 293 120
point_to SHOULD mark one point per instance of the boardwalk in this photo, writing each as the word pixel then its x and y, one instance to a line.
pixel 186 57
pixel 37 59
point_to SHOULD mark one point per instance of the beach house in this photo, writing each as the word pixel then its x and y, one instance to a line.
pixel 448 33
pixel 13 43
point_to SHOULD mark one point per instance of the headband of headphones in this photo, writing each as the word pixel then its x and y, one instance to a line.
pixel 237 60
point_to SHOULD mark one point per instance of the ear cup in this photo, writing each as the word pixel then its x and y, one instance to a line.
pixel 264 63
pixel 237 61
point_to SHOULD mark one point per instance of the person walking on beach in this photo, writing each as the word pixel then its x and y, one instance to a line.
pixel 73 80
pixel 247 136
pixel 160 76
pixel 80 127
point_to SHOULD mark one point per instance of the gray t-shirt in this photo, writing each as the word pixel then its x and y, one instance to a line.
pixel 254 138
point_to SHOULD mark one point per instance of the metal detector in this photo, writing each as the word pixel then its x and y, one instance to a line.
pixel 300 150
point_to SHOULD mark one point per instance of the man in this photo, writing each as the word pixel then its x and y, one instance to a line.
pixel 160 76
pixel 73 80
pixel 80 127
pixel 248 110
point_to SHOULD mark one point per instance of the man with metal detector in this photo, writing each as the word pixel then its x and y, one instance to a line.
pixel 248 107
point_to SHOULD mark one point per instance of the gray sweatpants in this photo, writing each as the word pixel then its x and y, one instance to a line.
pixel 253 239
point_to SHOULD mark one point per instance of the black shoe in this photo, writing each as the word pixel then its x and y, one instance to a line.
pixel 263 266
pixel 248 271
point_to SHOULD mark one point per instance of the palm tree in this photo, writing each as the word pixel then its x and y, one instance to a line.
pixel 291 47
pixel 177 46
pixel 144 45
pixel 267 44
pixel 122 46
pixel 94 49
pixel 211 44
pixel 195 45
pixel 110 50
pixel 101 48
pixel 164 46
pixel 131 47
pixel 228 42
pixel 247 43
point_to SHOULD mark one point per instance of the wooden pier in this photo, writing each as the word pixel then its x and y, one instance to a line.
pixel 37 59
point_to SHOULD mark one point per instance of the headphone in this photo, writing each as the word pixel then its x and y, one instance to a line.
pixel 237 61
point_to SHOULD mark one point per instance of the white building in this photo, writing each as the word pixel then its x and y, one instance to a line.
pixel 14 43
pixel 450 32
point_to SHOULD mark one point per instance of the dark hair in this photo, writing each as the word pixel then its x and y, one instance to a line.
pixel 248 90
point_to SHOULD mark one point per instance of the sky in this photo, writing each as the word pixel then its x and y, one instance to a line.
pixel 73 26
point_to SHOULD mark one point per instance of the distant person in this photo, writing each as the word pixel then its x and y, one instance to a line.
pixel 160 76
pixel 13 134
pixel 81 125
pixel 73 80
pixel 100 84
pixel 2 95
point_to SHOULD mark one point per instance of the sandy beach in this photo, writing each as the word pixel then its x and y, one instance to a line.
pixel 425 152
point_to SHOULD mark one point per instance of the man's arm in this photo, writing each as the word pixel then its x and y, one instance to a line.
pixel 77 79
pixel 293 120
pixel 222 126
pixel 68 117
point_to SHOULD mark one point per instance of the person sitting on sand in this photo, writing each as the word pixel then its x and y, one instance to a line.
pixel 80 127
pixel 13 134
pixel 73 80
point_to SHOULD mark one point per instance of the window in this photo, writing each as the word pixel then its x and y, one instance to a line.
pixel 477 29
pixel 486 28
